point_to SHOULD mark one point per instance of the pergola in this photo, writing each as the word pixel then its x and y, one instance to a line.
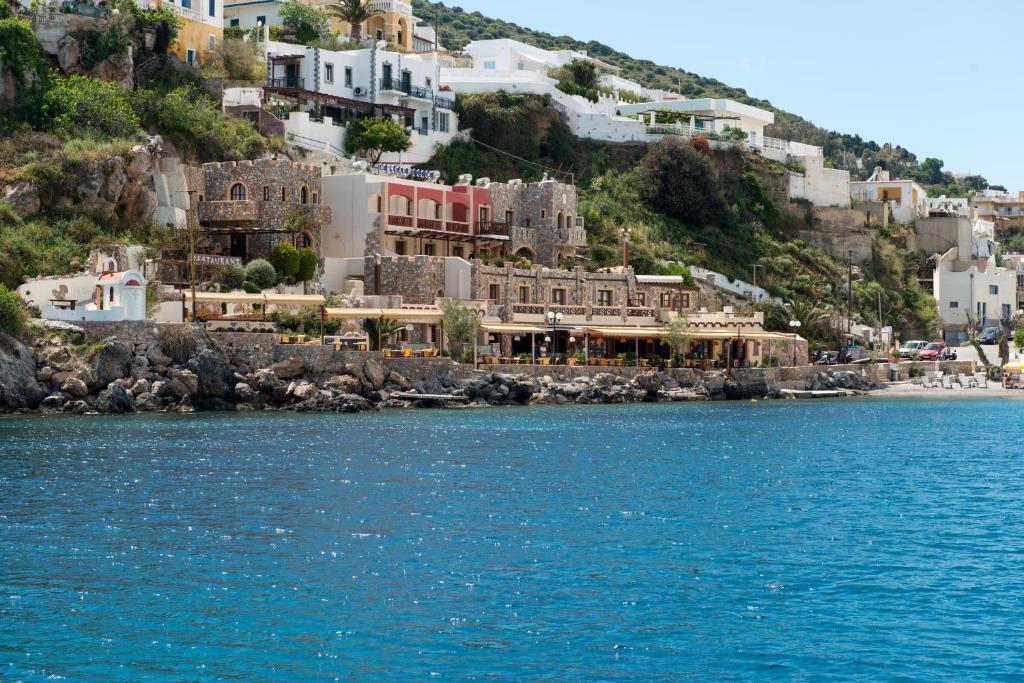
pixel 420 316
pixel 246 299
pixel 692 334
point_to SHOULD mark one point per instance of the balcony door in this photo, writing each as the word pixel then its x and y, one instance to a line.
pixel 406 82
pixel 291 75
pixel 386 76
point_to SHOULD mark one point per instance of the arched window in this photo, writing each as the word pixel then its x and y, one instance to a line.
pixel 303 195
pixel 307 241
pixel 238 192
pixel 561 220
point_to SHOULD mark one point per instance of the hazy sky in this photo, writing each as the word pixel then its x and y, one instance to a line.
pixel 939 77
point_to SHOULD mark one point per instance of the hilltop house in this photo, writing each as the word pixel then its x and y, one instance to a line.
pixel 968 283
pixel 1005 211
pixel 905 200
pixel 202 27
pixel 395 23
pixel 333 87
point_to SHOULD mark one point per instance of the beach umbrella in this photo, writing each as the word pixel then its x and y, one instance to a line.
pixel 1014 366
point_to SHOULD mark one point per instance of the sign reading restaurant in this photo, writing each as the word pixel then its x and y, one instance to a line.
pixel 216 260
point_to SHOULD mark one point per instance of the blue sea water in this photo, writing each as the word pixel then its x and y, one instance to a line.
pixel 862 540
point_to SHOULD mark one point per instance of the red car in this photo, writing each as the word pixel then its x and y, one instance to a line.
pixel 934 351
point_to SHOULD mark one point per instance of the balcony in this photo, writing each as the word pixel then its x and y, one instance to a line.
pixel 407 89
pixel 228 212
pixel 444 103
pixel 390 7
pixel 459 227
pixel 185 12
pixel 292 82
pixel 492 228
pixel 429 224
pixel 400 221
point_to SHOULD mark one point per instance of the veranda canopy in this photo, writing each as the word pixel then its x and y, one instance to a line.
pixel 256 299
pixel 407 315
pixel 508 328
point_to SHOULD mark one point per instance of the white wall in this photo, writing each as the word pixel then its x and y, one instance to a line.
pixel 737 287
pixel 351 218
pixel 458 279
pixel 324 136
pixel 822 186
pixel 970 287
pixel 247 14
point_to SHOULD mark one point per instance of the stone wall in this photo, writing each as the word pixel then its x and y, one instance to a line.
pixel 134 332
pixel 838 232
pixel 254 349
pixel 417 279
pixel 936 235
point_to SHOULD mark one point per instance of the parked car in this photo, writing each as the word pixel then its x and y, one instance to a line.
pixel 990 335
pixel 911 347
pixel 934 351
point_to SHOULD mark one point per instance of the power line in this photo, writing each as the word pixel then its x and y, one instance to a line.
pixel 571 175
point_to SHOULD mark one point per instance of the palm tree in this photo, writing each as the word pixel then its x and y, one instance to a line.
pixel 355 13
pixel 379 331
pixel 812 317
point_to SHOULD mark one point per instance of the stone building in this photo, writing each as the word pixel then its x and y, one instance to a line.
pixel 543 219
pixel 245 207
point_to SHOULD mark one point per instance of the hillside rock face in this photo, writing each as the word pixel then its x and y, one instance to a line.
pixel 18 387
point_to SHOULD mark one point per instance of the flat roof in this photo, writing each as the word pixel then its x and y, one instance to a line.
pixel 702 106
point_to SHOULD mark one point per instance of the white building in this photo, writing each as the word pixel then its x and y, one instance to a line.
pixel 332 87
pixel 967 282
pixel 116 297
pixel 907 200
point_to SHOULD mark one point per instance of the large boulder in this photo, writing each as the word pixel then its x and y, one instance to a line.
pixel 112 362
pixel 344 384
pixel 375 372
pixel 216 377
pixel 68 52
pixel 75 387
pixel 115 399
pixel 24 199
pixel 18 387
pixel 289 368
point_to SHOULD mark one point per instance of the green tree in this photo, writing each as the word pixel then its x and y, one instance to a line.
pixel 372 138
pixel 285 259
pixel 379 331
pixel 677 336
pixel 461 325
pixel 308 23
pixel 355 13
pixel 679 181
pixel 79 106
pixel 12 312
pixel 261 274
pixel 307 265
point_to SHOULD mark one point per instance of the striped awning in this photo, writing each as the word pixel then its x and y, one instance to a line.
pixel 407 315
pixel 256 299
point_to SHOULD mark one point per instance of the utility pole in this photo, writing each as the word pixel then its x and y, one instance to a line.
pixel 192 228
pixel 849 293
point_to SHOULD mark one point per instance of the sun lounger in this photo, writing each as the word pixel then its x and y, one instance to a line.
pixel 929 380
pixel 947 381
pixel 967 382
pixel 981 380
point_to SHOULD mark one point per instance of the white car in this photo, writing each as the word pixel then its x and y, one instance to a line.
pixel 911 348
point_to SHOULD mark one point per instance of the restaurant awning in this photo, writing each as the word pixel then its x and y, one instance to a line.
pixel 407 315
pixel 506 328
pixel 693 333
pixel 256 299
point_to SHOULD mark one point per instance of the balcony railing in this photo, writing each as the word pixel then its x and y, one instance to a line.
pixel 458 227
pixel 422 131
pixel 390 7
pixel 294 82
pixel 392 85
pixel 400 221
pixel 186 12
pixel 444 103
pixel 492 228
pixel 429 224
pixel 641 312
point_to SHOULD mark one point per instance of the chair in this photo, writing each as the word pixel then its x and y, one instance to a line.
pixel 407 353
pixel 929 380
pixel 981 380
pixel 967 381
pixel 947 381
pixel 387 353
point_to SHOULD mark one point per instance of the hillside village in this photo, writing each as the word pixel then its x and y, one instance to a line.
pixel 335 175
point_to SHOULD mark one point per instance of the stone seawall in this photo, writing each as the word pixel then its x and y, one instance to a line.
pixel 254 349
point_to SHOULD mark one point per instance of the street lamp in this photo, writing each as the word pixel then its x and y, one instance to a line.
pixel 795 326
pixel 625 247
pixel 554 318
pixel 376 272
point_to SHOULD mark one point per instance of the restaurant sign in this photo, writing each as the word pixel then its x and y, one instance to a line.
pixel 400 171
pixel 216 260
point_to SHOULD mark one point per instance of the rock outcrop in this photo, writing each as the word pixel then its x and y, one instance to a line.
pixel 18 387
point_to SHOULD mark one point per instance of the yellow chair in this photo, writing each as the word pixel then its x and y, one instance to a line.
pixel 387 353
pixel 286 339
pixel 407 354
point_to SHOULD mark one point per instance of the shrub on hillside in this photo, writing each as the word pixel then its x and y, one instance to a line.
pixel 193 121
pixel 261 274
pixel 12 312
pixel 285 259
pixel 179 343
pixel 232 277
pixel 679 181
pixel 371 138
pixel 79 106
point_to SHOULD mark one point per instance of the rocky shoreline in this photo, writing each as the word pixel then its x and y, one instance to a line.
pixel 185 371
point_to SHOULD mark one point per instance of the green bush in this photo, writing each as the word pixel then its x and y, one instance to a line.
pixel 232 277
pixel 307 265
pixel 261 274
pixel 79 106
pixel 372 138
pixel 250 288
pixel 679 181
pixel 285 259
pixel 307 23
pixel 12 312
